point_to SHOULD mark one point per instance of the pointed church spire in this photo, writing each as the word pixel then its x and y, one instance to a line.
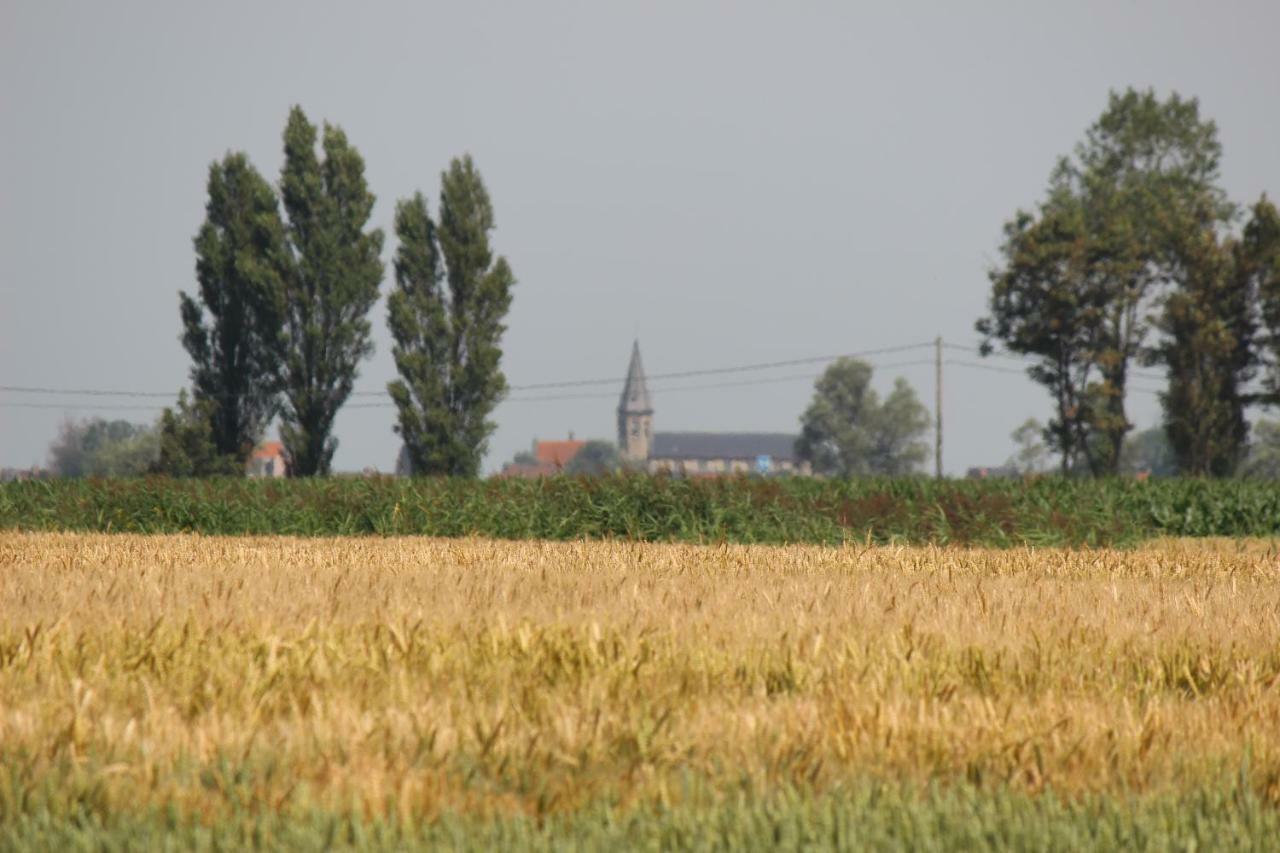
pixel 635 414
pixel 635 393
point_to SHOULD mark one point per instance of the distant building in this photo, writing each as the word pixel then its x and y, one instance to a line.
pixel 557 453
pixel 267 460
pixel 709 453
pixel 695 453
pixel 635 413
pixel 548 458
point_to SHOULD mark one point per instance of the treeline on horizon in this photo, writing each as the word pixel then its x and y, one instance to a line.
pixel 1135 259
pixel 1032 511
pixel 279 322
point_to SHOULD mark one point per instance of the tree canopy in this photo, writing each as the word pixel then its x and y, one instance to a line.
pixel 1209 325
pixel 1149 452
pixel 232 326
pixel 102 448
pixel 187 446
pixel 1263 458
pixel 596 458
pixel 1083 279
pixel 332 284
pixel 1031 455
pixel 446 314
pixel 847 431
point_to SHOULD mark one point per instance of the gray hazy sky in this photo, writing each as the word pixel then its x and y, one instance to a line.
pixel 731 182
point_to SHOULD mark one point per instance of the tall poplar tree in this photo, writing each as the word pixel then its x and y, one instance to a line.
pixel 232 326
pixel 1209 322
pixel 446 314
pixel 1257 259
pixel 332 285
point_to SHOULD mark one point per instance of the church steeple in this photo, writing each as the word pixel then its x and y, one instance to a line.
pixel 635 412
pixel 635 393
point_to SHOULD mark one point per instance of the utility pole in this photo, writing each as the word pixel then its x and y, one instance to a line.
pixel 937 407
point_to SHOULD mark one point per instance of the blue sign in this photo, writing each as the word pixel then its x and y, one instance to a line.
pixel 763 463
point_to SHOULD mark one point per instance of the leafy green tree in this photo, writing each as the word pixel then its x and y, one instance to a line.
pixel 595 459
pixel 1209 325
pixel 232 327
pixel 1081 281
pixel 101 448
pixel 1257 268
pixel 1044 304
pixel 1149 451
pixel 846 430
pixel 332 284
pixel 446 315
pixel 1032 455
pixel 187 445
pixel 418 318
pixel 403 466
pixel 132 457
pixel 1263 459
pixel 70 452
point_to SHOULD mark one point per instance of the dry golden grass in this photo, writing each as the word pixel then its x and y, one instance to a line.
pixel 410 676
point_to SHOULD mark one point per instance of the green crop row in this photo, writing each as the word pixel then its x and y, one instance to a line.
pixel 867 817
pixel 1043 511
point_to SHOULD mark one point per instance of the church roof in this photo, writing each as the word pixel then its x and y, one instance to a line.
pixel 635 393
pixel 780 446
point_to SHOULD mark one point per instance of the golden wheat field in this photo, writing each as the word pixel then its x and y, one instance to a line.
pixel 413 677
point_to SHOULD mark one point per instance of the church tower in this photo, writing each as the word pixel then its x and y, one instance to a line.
pixel 635 414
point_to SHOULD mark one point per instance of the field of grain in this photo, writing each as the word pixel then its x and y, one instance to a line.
pixel 407 683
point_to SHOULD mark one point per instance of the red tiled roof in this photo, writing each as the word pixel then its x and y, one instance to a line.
pixel 268 450
pixel 557 453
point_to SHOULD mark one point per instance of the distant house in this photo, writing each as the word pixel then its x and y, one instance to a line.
pixel 548 458
pixel 557 453
pixel 267 460
pixel 696 453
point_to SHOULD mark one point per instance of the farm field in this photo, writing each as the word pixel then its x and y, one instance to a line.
pixel 1043 511
pixel 469 693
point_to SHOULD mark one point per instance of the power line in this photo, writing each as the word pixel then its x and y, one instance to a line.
pixel 548 398
pixel 609 395
pixel 120 407
pixel 84 392
pixel 995 368
pixel 1139 374
pixel 571 383
pixel 716 385
pixel 741 368
pixel 772 380
pixel 577 383
pixel 574 383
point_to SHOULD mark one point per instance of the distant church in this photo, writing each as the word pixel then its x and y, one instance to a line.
pixel 695 453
